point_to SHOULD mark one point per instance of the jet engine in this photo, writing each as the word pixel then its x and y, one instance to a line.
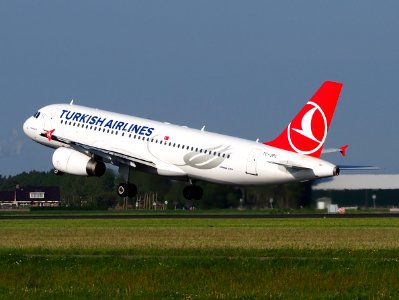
pixel 73 162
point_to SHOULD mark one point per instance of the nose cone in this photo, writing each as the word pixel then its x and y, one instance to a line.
pixel 29 127
pixel 25 127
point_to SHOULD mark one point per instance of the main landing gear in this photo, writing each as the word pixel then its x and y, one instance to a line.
pixel 193 192
pixel 126 189
pixel 190 192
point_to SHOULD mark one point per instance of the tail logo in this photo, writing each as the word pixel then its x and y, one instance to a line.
pixel 308 131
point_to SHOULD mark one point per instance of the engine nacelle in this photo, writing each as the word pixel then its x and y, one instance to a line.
pixel 73 162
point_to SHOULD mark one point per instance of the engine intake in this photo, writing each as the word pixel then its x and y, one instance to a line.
pixel 73 162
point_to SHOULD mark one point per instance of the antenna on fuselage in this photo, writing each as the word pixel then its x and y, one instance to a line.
pixel 203 128
pixel 71 103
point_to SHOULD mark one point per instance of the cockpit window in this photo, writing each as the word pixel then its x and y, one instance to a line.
pixel 36 115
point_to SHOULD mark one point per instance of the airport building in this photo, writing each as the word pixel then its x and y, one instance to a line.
pixel 46 196
pixel 358 190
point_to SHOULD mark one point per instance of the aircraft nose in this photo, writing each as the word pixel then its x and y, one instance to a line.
pixel 28 128
pixel 25 127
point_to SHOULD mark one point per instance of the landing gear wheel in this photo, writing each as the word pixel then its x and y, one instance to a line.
pixel 122 190
pixel 198 193
pixel 187 192
pixel 131 190
pixel 193 192
pixel 127 190
pixel 57 172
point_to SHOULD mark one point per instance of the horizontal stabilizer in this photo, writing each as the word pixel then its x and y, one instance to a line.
pixel 358 168
pixel 289 164
pixel 342 150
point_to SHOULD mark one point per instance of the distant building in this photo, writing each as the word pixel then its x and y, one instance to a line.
pixel 45 196
pixel 359 190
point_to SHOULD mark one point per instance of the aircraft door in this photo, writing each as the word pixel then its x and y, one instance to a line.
pixel 252 162
pixel 48 119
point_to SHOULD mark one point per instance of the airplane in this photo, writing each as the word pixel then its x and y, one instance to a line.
pixel 86 139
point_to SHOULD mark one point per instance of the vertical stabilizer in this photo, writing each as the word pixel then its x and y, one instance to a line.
pixel 307 132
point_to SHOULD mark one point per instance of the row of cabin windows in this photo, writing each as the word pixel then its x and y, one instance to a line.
pixel 152 140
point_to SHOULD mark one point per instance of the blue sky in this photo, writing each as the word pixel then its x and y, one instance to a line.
pixel 242 68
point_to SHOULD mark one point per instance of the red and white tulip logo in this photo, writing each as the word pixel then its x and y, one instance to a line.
pixel 308 131
pixel 49 134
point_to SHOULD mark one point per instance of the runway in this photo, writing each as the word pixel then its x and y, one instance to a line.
pixel 195 216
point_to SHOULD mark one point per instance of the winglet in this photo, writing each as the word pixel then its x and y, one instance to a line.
pixel 307 132
pixel 343 150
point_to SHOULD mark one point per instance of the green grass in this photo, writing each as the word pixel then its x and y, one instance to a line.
pixel 199 277
pixel 200 258
pixel 89 212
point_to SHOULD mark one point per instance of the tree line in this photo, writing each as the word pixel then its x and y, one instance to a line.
pixel 100 192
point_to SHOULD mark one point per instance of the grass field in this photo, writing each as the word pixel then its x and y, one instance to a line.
pixel 200 258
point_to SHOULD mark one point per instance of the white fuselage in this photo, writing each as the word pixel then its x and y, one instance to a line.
pixel 170 150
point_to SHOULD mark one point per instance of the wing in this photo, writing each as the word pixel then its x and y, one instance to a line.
pixel 118 157
pixel 114 155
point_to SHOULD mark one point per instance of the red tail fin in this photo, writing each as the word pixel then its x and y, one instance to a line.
pixel 308 130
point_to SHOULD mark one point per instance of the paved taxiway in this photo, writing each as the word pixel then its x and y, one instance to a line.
pixel 195 216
